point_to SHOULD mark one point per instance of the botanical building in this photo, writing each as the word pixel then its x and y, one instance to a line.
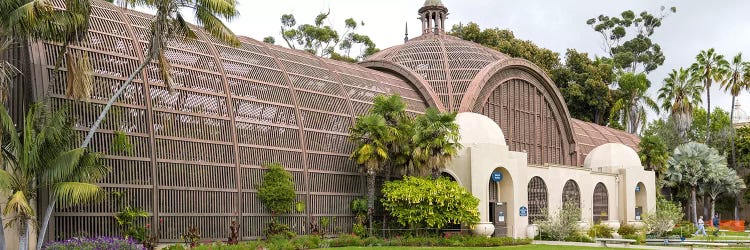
pixel 198 150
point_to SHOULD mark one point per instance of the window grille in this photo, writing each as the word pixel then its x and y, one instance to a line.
pixel 601 203
pixel 537 194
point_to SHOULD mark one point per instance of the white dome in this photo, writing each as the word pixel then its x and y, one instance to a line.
pixel 740 116
pixel 612 155
pixel 479 129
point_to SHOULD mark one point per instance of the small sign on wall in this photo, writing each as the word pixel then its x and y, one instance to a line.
pixel 497 176
pixel 523 211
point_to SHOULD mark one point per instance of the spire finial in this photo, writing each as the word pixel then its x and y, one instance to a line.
pixel 406 32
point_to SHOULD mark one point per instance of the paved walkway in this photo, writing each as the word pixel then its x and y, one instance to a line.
pixel 565 243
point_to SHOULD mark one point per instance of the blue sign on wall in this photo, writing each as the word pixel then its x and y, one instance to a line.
pixel 497 176
pixel 523 211
pixel 637 188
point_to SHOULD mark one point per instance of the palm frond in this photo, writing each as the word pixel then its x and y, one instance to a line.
pixel 19 203
pixel 62 166
pixel 75 193
pixel 213 25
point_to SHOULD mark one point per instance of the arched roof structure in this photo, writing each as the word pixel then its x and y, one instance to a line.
pixel 233 109
pixel 198 151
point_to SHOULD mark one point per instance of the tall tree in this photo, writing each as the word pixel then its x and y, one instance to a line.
pixel 323 40
pixel 630 109
pixel 737 80
pixel 709 67
pixel 688 166
pixel 654 155
pixel 436 140
pixel 585 86
pixel 680 94
pixel 720 179
pixel 169 23
pixel 627 39
pixel 504 41
pixel 371 135
pixel 720 130
pixel 39 155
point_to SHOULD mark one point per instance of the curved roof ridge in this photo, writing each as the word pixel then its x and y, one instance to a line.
pixel 590 135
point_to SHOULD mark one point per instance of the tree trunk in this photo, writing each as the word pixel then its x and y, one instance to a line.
pixel 694 204
pixel 388 173
pixel 370 197
pixel 734 159
pixel 2 234
pixel 112 100
pixel 45 222
pixel 23 235
pixel 708 110
pixel 705 206
pixel 713 209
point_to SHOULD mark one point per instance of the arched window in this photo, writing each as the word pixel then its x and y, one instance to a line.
pixel 601 203
pixel 571 193
pixel 537 193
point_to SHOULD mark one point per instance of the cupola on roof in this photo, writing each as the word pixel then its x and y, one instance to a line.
pixel 447 64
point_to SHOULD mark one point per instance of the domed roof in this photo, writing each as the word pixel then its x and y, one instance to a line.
pixel 478 129
pixel 447 63
pixel 740 116
pixel 615 155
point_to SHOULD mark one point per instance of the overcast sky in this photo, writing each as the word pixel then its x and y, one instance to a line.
pixel 552 24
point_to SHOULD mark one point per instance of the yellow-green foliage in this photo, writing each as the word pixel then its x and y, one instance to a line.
pixel 427 202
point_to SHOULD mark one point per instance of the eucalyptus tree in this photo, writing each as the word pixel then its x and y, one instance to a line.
pixel 688 166
pixel 39 155
pixel 679 95
pixel 371 135
pixel 436 140
pixel 630 109
pixel 709 67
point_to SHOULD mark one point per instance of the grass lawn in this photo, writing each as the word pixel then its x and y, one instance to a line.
pixel 525 247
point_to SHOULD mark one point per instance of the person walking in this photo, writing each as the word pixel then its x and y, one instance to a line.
pixel 701 226
pixel 715 223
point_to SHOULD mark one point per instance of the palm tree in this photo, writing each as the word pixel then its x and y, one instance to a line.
pixel 720 179
pixel 7 71
pixel 737 80
pixel 688 166
pixel 630 108
pixel 371 134
pixel 680 94
pixel 39 157
pixel 436 140
pixel 709 67
pixel 169 23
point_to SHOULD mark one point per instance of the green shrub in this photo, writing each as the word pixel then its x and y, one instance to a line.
pixel 579 237
pixel 638 237
pixel 359 230
pixel 661 221
pixel 684 229
pixel 306 242
pixel 562 223
pixel 601 231
pixel 627 229
pixel 433 203
pixel 373 242
pixel 275 228
pixel 346 241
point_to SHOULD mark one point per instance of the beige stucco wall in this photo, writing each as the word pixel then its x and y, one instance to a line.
pixel 613 165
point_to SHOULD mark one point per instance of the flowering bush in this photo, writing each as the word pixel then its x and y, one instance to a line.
pixel 98 243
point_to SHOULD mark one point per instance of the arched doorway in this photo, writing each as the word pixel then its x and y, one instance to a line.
pixel 601 203
pixel 640 200
pixel 500 201
pixel 537 199
pixel 571 193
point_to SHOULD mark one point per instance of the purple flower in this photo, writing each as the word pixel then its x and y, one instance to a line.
pixel 97 243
